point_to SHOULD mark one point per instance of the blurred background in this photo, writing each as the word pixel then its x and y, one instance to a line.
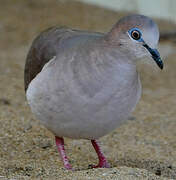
pixel 145 146
pixel 159 9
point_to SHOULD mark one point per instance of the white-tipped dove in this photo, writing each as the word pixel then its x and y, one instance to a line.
pixel 83 85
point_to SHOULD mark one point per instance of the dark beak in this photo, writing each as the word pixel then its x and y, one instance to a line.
pixel 155 55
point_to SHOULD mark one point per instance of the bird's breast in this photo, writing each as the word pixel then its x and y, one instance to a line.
pixel 81 105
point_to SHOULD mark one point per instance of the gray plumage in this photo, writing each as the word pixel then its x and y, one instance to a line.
pixel 83 84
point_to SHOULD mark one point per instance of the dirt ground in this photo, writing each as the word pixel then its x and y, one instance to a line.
pixel 142 148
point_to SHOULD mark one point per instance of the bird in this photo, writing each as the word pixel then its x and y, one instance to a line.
pixel 82 85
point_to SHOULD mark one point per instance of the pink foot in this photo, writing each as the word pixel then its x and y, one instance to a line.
pixel 102 160
pixel 60 147
pixel 101 165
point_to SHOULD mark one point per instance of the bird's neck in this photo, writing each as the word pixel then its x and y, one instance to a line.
pixel 104 67
pixel 113 58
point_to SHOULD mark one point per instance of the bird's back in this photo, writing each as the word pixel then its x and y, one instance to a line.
pixel 47 45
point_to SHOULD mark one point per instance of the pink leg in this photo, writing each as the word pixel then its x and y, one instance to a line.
pixel 60 147
pixel 102 160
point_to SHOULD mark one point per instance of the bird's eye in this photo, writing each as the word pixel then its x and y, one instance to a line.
pixel 135 34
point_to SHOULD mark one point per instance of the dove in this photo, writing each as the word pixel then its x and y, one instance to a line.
pixel 83 85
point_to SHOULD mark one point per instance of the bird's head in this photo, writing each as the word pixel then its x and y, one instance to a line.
pixel 137 36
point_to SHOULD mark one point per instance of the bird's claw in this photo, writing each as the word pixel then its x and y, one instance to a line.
pixel 101 165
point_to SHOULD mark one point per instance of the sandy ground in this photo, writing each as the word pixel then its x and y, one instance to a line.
pixel 142 148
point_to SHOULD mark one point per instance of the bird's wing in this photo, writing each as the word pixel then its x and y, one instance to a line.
pixel 44 48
